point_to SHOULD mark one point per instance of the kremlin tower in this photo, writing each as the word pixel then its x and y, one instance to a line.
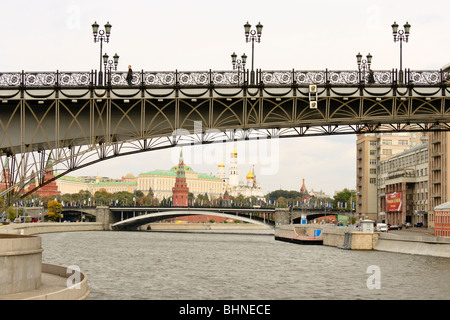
pixel 6 176
pixel 233 177
pixel 51 188
pixel 180 197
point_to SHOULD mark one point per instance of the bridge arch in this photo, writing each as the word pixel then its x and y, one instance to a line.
pixel 134 222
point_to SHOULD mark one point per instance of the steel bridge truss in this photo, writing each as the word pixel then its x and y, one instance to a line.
pixel 65 117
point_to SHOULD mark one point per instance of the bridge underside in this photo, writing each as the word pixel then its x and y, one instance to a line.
pixel 78 125
pixel 135 222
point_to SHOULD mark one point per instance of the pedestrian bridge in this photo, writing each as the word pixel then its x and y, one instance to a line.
pixel 68 120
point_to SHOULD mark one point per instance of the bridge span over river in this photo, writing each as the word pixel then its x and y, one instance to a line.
pixel 131 217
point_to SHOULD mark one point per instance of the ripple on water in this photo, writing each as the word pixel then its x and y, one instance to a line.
pixel 156 265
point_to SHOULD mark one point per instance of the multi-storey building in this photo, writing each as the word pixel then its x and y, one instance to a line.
pixel 403 186
pixel 439 172
pixel 161 183
pixel 372 148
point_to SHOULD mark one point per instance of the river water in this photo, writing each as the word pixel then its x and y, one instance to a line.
pixel 145 265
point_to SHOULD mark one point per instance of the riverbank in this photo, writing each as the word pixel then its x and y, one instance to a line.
pixel 49 227
pixel 415 241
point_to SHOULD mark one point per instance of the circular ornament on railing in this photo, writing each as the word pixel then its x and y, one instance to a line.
pixel 116 79
pixel 168 79
pixel 14 80
pixel 65 79
pixel 184 79
pixel 203 79
pixel 267 78
pixel 301 78
pixel 218 78
pixel 318 77
pixel 49 79
pixel 352 78
pixel 84 79
pixel 31 79
pixel 285 78
pixel 434 78
pixel 150 79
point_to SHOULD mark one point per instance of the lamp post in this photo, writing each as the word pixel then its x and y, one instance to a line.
pixel 239 64
pixel 253 35
pixel 363 64
pixel 109 65
pixel 100 36
pixel 401 36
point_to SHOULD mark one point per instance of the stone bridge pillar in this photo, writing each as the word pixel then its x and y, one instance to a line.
pixel 105 216
pixel 282 216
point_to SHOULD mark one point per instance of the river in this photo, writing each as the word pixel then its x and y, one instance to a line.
pixel 143 265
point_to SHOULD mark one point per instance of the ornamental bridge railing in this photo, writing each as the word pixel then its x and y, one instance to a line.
pixel 221 78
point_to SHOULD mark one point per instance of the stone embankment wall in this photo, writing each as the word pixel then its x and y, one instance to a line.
pixel 201 226
pixel 352 238
pixel 49 227
pixel 23 276
pixel 419 245
pixel 20 263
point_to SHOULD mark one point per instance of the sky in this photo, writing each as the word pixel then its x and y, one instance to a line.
pixel 199 35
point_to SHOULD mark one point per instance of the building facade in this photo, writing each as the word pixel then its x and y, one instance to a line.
pixel 371 149
pixel 439 171
pixel 161 183
pixel 403 187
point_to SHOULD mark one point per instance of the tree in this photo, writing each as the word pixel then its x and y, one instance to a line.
pixel 54 210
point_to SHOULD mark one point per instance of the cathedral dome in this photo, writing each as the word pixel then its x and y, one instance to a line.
pixel 250 175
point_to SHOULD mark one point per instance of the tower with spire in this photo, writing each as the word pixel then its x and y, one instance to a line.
pixel 180 192
pixel 233 177
pixel 50 189
pixel 6 182
pixel 303 188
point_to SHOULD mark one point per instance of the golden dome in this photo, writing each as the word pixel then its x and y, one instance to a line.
pixel 250 175
pixel 221 165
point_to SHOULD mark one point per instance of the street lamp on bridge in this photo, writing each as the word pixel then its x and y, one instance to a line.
pixel 364 64
pixel 109 65
pixel 100 36
pixel 253 35
pixel 401 36
pixel 239 64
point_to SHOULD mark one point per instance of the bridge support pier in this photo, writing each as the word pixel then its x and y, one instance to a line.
pixel 282 216
pixel 105 216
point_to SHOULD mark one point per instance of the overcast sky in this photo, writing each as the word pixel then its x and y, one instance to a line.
pixel 201 34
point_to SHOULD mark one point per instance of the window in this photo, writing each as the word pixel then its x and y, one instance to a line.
pixel 373 180
pixel 386 142
pixel 402 142
pixel 373 171
pixel 373 161
pixel 387 151
pixel 373 152
pixel 373 143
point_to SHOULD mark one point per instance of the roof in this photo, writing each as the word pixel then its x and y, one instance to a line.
pixel 443 206
pixel 159 173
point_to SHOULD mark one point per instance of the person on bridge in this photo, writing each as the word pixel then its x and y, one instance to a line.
pixel 129 75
